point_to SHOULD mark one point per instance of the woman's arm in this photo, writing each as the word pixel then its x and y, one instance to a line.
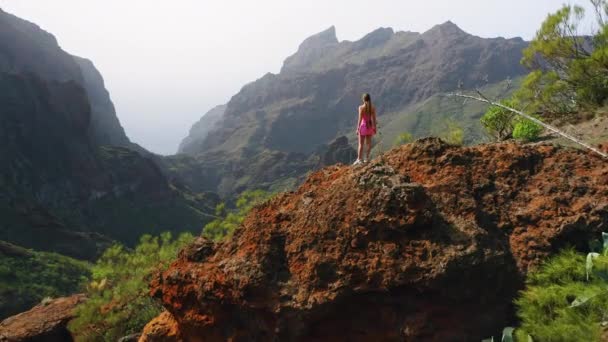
pixel 359 120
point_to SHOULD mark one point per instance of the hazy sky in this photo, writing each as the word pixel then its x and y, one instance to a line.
pixel 167 62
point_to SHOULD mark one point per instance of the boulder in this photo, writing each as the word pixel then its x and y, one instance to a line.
pixel 45 322
pixel 429 242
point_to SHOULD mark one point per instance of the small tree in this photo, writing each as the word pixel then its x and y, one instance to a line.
pixel 570 70
pixel 403 138
pixel 118 300
pixel 499 122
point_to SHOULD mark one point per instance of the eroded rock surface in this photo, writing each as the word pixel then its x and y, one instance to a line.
pixel 45 322
pixel 429 242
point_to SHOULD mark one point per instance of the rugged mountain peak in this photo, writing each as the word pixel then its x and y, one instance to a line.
pixel 445 30
pixel 449 26
pixel 377 37
pixel 398 249
pixel 312 49
pixel 321 39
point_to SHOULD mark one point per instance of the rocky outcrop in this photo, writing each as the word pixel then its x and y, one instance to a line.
pixel 45 322
pixel 429 242
pixel 192 144
pixel 338 152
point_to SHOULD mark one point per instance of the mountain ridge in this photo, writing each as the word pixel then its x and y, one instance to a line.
pixel 312 101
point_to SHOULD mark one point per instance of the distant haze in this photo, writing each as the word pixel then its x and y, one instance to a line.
pixel 167 62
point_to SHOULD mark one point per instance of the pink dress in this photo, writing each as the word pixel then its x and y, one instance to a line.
pixel 366 128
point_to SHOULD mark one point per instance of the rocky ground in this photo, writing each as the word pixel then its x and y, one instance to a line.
pixel 428 242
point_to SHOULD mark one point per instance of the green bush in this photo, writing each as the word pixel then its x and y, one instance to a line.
pixel 119 303
pixel 565 300
pixel 452 133
pixel 228 221
pixel 499 122
pixel 27 278
pixel 403 138
pixel 527 130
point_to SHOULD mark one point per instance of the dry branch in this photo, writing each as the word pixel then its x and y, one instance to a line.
pixel 482 98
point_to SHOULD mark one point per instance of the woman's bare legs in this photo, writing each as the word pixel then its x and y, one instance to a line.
pixel 368 141
pixel 360 149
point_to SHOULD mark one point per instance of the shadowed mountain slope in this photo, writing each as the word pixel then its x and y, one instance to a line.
pixel 68 171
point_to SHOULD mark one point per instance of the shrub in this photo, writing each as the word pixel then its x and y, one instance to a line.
pixel 228 221
pixel 499 122
pixel 527 130
pixel 566 299
pixel 452 132
pixel 119 303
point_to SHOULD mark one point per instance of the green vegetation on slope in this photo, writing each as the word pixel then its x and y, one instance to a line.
pixel 431 116
pixel 228 221
pixel 119 303
pixel 566 299
pixel 27 277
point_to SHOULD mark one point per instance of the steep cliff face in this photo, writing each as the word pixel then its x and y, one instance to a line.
pixel 26 48
pixel 314 98
pixel 105 129
pixel 68 171
pixel 60 190
pixel 429 242
pixel 43 143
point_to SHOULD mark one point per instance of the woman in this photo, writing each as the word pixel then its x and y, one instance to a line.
pixel 366 128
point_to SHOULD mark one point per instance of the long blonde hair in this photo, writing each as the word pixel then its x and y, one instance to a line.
pixel 367 100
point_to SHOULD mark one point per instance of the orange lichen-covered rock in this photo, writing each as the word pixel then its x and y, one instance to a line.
pixel 428 242
pixel 161 329
pixel 45 322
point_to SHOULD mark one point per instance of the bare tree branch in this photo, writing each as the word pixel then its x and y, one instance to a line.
pixel 598 6
pixel 482 98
